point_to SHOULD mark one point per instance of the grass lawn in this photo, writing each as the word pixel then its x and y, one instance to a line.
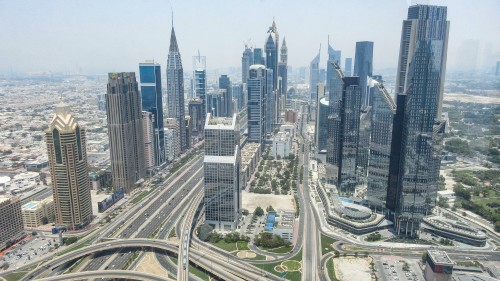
pixel 226 246
pixel 292 265
pixel 242 245
pixel 172 233
pixel 331 270
pixel 15 276
pixel 140 196
pixel 201 274
pixel 326 242
pixel 294 276
pixel 279 250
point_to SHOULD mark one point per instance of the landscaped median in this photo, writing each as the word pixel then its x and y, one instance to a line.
pixel 292 267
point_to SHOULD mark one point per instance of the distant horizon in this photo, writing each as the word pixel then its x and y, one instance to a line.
pixel 101 37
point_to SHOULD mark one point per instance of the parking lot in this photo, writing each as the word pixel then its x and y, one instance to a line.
pixel 28 250
pixel 394 268
pixel 251 226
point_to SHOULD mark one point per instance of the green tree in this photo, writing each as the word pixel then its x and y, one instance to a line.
pixel 259 212
pixel 461 191
pixel 270 209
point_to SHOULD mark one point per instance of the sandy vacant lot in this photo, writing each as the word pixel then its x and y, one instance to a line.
pixel 493 97
pixel 352 269
pixel 149 264
pixel 253 200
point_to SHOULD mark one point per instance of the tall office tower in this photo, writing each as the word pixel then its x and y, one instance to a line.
pixel 11 221
pixel 343 131
pixel 148 136
pixel 283 77
pixel 222 172
pixel 271 47
pixel 197 113
pixel 257 102
pixel 124 111
pixel 271 103
pixel 258 56
pixel 173 145
pixel 152 101
pixel 238 96
pixel 364 142
pixel 348 67
pixel 67 153
pixel 321 130
pixel 175 88
pixel 421 74
pixel 363 67
pixel 225 84
pixel 334 56
pixel 216 102
pixel 101 102
pixel 188 130
pixel 382 115
pixel 314 76
pixel 246 62
pixel 200 81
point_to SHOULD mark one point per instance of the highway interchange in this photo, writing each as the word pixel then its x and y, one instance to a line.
pixel 176 206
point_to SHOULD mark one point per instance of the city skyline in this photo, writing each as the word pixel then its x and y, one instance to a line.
pixel 88 49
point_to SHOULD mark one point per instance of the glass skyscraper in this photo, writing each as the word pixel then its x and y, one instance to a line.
pixel 363 67
pixel 314 76
pixel 175 89
pixel 222 172
pixel 246 62
pixel 382 116
pixel 343 131
pixel 200 81
pixel 334 56
pixel 271 48
pixel 152 101
pixel 420 77
pixel 257 102
pixel 225 84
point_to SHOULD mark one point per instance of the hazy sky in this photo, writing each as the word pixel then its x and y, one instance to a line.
pixel 112 35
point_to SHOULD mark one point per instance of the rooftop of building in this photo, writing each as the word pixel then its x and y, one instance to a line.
pixel 281 136
pixel 440 257
pixel 219 159
pixel 226 123
pixel 33 205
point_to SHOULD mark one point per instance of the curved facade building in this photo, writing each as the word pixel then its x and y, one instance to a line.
pixel 66 148
pixel 322 124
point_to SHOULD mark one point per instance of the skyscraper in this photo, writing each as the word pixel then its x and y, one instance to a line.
pixel 348 67
pixel 314 76
pixel 67 153
pixel 258 57
pixel 124 111
pixel 363 67
pixel 148 136
pixel 382 116
pixel 197 113
pixel 271 102
pixel 271 47
pixel 257 102
pixel 421 74
pixel 152 101
pixel 343 131
pixel 222 172
pixel 225 84
pixel 334 56
pixel 321 131
pixel 246 62
pixel 200 82
pixel 11 221
pixel 283 78
pixel 175 89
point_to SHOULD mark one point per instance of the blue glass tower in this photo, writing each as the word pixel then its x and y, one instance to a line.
pixel 363 67
pixel 420 77
pixel 152 101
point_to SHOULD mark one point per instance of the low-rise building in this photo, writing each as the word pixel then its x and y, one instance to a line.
pixel 281 145
pixel 250 157
pixel 448 194
pixel 11 221
pixel 438 266
pixel 34 212
pixel 281 223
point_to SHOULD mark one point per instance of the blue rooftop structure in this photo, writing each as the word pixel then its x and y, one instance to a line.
pixel 269 226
